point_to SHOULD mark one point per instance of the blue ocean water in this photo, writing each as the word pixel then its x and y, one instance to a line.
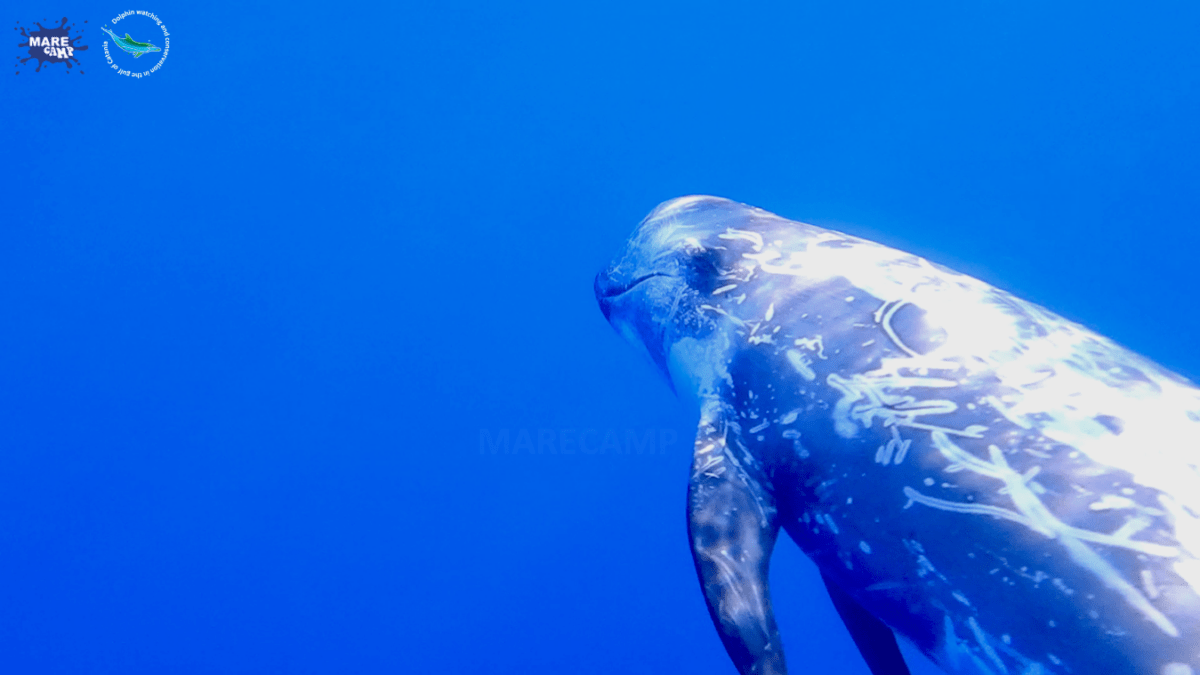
pixel 271 312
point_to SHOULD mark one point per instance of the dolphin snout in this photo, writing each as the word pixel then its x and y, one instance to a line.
pixel 602 296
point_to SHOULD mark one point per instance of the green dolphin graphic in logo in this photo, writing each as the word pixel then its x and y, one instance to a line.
pixel 130 45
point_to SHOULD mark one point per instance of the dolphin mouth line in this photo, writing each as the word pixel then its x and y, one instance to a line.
pixel 616 291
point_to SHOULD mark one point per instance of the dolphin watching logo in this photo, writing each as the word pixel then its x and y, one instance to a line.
pixel 130 45
pixel 146 42
pixel 51 45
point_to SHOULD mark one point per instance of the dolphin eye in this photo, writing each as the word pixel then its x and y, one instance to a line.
pixel 702 269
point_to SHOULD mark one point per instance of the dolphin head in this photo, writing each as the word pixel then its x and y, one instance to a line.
pixel 658 292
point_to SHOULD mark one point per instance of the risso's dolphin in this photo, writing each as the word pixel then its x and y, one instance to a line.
pixel 1008 490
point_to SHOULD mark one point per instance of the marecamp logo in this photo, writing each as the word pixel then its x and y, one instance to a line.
pixel 50 45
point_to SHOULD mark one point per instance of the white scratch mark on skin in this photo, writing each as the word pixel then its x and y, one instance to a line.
pixel 725 289
pixel 1175 668
pixel 1107 502
pixel 722 312
pixel 1032 513
pixel 770 312
pixel 896 447
pixel 789 417
pixel 884 454
pixel 983 644
pixel 864 547
pixel 760 427
pixel 973 431
pixel 1028 503
pixel 813 344
pixel 900 444
pixel 878 316
pixel 754 238
pixel 1148 584
pixel 764 257
pixel 832 525
pixel 1131 527
pixel 978 509
pixel 802 365
pixel 865 397
pixel 884 319
pixel 924 567
pixel 1003 410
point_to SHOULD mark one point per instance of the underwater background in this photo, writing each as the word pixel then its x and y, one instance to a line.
pixel 300 367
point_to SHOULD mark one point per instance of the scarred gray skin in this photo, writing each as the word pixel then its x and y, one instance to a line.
pixel 1004 488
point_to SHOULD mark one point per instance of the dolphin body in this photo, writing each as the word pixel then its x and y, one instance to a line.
pixel 130 45
pixel 1008 490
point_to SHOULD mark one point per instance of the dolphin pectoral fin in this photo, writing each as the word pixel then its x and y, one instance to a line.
pixel 876 642
pixel 732 525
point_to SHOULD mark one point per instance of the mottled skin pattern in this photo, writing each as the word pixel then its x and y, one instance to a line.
pixel 1008 490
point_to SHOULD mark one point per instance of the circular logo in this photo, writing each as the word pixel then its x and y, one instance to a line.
pixel 136 43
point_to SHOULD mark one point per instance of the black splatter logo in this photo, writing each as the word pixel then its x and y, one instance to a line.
pixel 50 45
